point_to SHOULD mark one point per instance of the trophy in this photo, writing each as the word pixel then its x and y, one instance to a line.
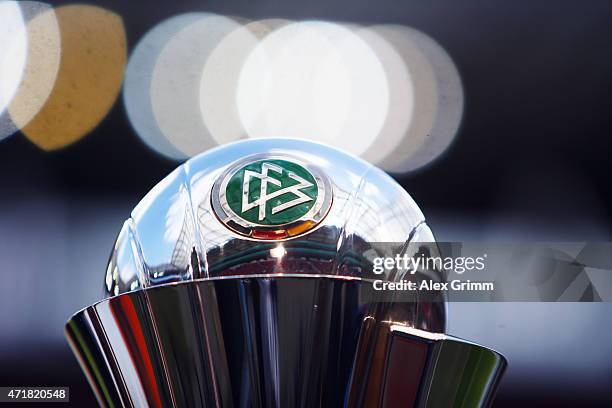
pixel 244 279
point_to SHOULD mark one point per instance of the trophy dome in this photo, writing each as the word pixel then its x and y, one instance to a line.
pixel 265 207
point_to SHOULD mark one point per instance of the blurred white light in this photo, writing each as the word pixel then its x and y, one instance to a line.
pixel 278 251
pixel 219 83
pixel 438 99
pixel 175 84
pixel 387 93
pixel 41 68
pixel 138 77
pixel 13 53
pixel 314 80
pixel 401 113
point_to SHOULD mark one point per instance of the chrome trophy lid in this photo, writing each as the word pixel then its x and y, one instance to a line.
pixel 263 207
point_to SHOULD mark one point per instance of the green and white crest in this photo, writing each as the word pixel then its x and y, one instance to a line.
pixel 271 197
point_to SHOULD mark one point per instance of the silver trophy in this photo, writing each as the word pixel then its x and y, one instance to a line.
pixel 244 279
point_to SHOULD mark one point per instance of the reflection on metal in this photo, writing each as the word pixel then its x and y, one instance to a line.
pixel 177 217
pixel 202 316
pixel 445 371
pixel 275 342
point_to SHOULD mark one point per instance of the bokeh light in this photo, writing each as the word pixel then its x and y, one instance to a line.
pixel 401 111
pixel 91 70
pixel 219 84
pixel 314 80
pixel 175 85
pixel 42 65
pixel 387 93
pixel 438 99
pixel 13 54
pixel 138 79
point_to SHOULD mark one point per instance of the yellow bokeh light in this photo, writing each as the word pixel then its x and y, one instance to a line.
pixel 94 54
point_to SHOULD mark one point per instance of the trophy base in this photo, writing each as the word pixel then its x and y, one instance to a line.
pixel 276 341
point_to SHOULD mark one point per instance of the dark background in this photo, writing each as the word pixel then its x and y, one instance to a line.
pixel 531 161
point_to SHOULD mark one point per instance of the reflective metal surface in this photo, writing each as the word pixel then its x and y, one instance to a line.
pixel 215 306
pixel 174 235
pixel 274 342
